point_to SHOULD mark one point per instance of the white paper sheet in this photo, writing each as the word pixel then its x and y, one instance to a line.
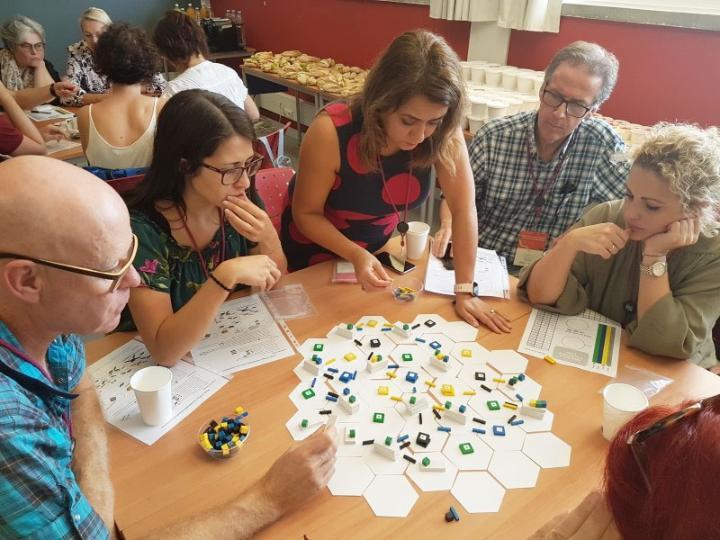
pixel 491 275
pixel 244 335
pixel 191 386
pixel 48 112
pixel 572 340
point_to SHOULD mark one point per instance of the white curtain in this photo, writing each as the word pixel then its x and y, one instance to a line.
pixel 535 15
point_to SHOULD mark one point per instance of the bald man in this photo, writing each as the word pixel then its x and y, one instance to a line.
pixel 66 250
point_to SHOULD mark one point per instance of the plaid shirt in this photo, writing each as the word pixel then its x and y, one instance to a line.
pixel 39 496
pixel 594 170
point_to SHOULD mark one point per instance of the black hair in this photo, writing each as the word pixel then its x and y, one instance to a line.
pixel 178 37
pixel 126 55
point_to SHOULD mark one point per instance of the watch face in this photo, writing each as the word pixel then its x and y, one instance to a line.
pixel 658 269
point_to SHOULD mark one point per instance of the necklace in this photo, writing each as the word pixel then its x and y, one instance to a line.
pixel 402 226
pixel 195 245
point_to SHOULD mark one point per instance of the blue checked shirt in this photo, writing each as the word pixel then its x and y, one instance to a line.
pixel 594 171
pixel 39 496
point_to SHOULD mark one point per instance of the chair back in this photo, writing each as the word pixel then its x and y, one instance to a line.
pixel 123 185
pixel 272 187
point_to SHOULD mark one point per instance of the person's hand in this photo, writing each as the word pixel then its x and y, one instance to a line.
pixel 53 132
pixel 301 472
pixel 678 234
pixel 474 311
pixel 255 270
pixel 249 220
pixel 65 89
pixel 590 520
pixel 440 241
pixel 369 271
pixel 603 239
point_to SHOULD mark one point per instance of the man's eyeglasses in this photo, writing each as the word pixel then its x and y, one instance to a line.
pixel 30 47
pixel 637 440
pixel 229 176
pixel 572 108
pixel 115 277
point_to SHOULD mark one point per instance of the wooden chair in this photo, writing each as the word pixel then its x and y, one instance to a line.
pixel 272 187
pixel 123 185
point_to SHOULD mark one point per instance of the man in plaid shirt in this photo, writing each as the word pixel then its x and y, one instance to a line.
pixel 59 226
pixel 535 172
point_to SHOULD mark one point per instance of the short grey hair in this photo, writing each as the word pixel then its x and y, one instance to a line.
pixel 599 62
pixel 14 28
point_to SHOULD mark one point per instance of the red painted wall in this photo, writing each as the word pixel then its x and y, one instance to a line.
pixel 353 32
pixel 670 74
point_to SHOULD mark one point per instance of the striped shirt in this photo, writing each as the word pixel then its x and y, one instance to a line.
pixel 39 496
pixel 594 169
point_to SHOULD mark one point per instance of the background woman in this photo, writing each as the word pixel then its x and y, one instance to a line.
pixel 202 230
pixel 80 68
pixel 364 166
pixel 118 132
pixel 652 260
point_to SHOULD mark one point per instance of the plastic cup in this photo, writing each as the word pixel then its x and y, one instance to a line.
pixel 416 238
pixel 153 391
pixel 621 402
pixel 406 289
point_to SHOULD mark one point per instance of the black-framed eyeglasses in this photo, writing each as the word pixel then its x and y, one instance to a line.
pixel 229 176
pixel 637 440
pixel 115 277
pixel 572 108
pixel 30 47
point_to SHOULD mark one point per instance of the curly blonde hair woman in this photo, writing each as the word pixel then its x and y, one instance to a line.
pixel 364 165
pixel 651 260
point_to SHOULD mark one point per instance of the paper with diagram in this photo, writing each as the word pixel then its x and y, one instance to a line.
pixel 588 341
pixel 491 275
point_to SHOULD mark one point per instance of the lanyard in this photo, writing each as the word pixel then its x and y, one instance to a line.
pixel 23 356
pixel 195 246
pixel 538 193
pixel 402 226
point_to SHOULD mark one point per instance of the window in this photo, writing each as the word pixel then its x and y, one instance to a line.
pixel 699 7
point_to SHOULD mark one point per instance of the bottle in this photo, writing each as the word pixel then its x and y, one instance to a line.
pixel 203 11
pixel 178 8
pixel 190 12
pixel 238 17
pixel 207 7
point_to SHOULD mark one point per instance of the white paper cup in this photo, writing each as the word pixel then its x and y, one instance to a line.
pixel 493 77
pixel 475 123
pixel 621 402
pixel 416 238
pixel 153 391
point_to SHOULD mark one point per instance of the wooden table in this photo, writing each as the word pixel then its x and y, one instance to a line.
pixel 173 478
pixel 70 154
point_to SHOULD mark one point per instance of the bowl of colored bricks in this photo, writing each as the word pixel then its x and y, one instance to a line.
pixel 406 289
pixel 221 440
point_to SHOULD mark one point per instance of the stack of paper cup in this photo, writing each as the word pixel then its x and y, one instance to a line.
pixel 475 123
pixel 153 391
pixel 493 76
pixel 621 402
pixel 477 73
pixel 416 238
pixel 478 107
pixel 525 82
pixel 509 78
pixel 466 69
pixel 496 109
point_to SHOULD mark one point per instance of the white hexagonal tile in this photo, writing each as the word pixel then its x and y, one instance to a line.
pixel 431 367
pixel 459 387
pixel 446 344
pixel 512 440
pixel 477 461
pixel 364 323
pixel 478 492
pixel 424 318
pixel 426 412
pixel 418 353
pixel 478 353
pixel 352 477
pixel 336 337
pixel 399 339
pixel 528 388
pixel 460 331
pixel 391 496
pixel 467 374
pixel 534 425
pixel 547 450
pixel 432 480
pixel 368 391
pixel 350 450
pixel 299 433
pixel 479 404
pixel 513 469
pixel 507 361
pixel 316 402
pixel 393 423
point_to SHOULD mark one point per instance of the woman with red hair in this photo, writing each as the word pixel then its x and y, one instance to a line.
pixel 661 480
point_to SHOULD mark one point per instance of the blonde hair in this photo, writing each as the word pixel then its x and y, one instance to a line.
pixel 417 63
pixel 95 14
pixel 688 159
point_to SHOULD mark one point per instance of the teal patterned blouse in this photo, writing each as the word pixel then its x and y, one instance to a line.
pixel 168 267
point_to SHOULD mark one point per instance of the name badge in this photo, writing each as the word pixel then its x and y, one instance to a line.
pixel 530 247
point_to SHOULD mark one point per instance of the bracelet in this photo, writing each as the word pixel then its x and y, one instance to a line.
pixel 53 93
pixel 219 284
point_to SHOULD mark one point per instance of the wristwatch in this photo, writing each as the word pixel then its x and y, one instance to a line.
pixel 466 288
pixel 656 269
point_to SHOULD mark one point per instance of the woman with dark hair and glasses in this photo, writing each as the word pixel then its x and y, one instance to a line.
pixel 661 480
pixel 201 227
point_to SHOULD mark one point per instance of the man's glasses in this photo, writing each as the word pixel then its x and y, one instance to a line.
pixel 115 277
pixel 229 176
pixel 637 440
pixel 30 47
pixel 572 108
